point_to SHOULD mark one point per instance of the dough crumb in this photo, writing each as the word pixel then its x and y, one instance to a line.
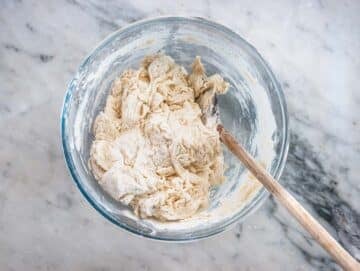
pixel 156 148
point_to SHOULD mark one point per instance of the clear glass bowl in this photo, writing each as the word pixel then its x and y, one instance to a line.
pixel 253 110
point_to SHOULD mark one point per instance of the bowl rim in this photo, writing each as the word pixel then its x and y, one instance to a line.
pixel 249 208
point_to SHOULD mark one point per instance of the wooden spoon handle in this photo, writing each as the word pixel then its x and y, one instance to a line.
pixel 318 232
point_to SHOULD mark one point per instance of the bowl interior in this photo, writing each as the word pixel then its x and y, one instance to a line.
pixel 253 110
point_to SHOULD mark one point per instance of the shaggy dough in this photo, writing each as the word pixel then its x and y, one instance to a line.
pixel 156 147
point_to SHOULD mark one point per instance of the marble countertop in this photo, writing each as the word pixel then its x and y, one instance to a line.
pixel 46 224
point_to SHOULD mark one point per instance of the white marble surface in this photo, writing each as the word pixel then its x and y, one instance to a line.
pixel 45 223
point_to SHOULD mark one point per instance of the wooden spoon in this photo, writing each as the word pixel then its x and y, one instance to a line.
pixel 318 232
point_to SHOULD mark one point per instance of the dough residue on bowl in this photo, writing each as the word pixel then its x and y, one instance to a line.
pixel 156 147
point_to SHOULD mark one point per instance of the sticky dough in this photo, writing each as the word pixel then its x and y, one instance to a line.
pixel 156 148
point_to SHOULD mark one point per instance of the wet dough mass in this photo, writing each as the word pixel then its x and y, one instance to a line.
pixel 156 147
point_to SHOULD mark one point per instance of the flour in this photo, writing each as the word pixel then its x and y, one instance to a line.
pixel 156 147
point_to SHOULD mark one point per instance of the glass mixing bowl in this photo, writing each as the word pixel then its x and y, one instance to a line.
pixel 253 110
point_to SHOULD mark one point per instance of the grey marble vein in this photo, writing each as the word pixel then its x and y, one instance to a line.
pixel 45 224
